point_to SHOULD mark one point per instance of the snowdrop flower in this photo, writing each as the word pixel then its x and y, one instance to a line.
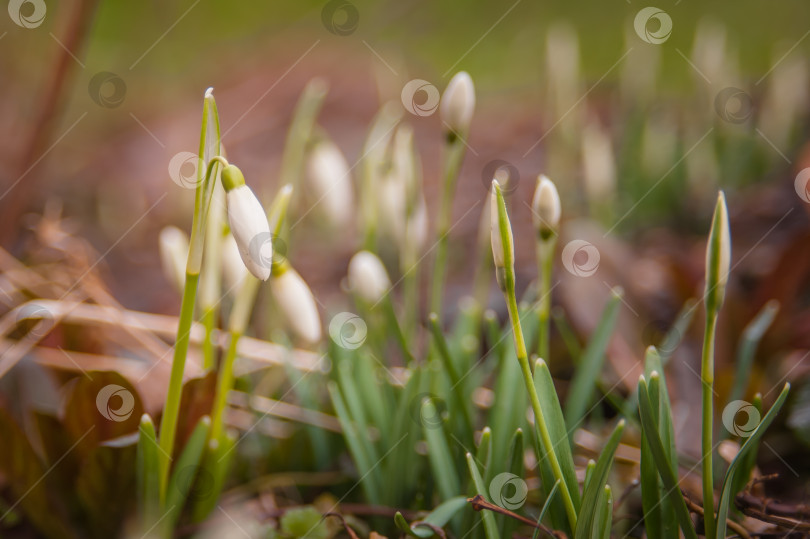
pixel 173 244
pixel 296 301
pixel 718 256
pixel 458 103
pixel 546 208
pixel 248 223
pixel 329 178
pixel 368 278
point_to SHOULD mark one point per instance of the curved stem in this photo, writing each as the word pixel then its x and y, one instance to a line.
pixel 545 262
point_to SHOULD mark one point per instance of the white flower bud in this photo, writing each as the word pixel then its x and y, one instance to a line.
pixel 458 103
pixel 501 229
pixel 173 244
pixel 297 303
pixel 329 178
pixel 546 208
pixel 367 277
pixel 233 270
pixel 718 256
pixel 249 227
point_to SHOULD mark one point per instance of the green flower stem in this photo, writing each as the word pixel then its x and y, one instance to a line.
pixel 543 435
pixel 707 378
pixel 402 340
pixel 240 315
pixel 211 276
pixel 168 424
pixel 453 157
pixel 545 262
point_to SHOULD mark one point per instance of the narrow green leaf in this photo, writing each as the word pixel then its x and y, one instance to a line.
pixel 749 342
pixel 440 516
pixel 550 404
pixel 148 475
pixel 484 451
pixel 441 461
pixel 589 469
pixel 751 443
pixel 666 472
pixel 490 529
pixel 596 485
pixel 580 394
pixel 603 520
pixel 185 473
pixel 355 442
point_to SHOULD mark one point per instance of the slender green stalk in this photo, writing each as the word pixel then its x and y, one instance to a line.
pixel 453 157
pixel 539 419
pixel 211 276
pixel 545 262
pixel 168 424
pixel 242 306
pixel 707 378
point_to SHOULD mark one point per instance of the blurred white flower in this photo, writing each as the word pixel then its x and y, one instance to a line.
pixel 367 277
pixel 328 177
pixel 599 166
pixel 173 244
pixel 297 303
pixel 458 103
pixel 546 208
pixel 233 270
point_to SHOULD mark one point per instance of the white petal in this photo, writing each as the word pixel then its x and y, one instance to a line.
pixel 329 177
pixel 249 227
pixel 546 205
pixel 458 102
pixel 173 244
pixel 296 301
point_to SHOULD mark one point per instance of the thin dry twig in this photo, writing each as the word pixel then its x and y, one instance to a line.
pixel 479 504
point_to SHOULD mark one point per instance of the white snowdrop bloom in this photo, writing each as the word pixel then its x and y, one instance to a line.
pixel 233 270
pixel 367 277
pixel 327 173
pixel 458 103
pixel 297 303
pixel 546 208
pixel 248 224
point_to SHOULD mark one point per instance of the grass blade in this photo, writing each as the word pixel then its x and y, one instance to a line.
pixel 749 445
pixel 441 461
pixel 148 474
pixel 604 515
pixel 668 475
pixel 583 384
pixel 586 525
pixel 748 346
pixel 185 473
pixel 490 529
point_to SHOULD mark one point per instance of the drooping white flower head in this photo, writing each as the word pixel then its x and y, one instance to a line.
pixel 367 277
pixel 501 230
pixel 458 103
pixel 297 303
pixel 546 208
pixel 173 244
pixel 329 178
pixel 248 224
pixel 599 166
pixel 718 256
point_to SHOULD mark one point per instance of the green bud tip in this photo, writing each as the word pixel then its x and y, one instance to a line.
pixel 232 177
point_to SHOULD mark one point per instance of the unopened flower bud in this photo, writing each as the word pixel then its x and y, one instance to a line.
pixel 458 103
pixel 718 256
pixel 546 208
pixel 367 277
pixel 248 224
pixel 297 303
pixel 501 229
